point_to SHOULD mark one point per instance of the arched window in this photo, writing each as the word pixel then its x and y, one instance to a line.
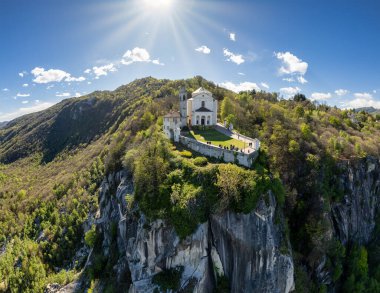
pixel 208 120
pixel 203 103
pixel 197 120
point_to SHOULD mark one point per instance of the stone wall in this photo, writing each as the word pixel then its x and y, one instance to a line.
pixel 220 153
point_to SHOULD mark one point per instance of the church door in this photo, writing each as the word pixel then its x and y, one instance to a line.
pixel 203 120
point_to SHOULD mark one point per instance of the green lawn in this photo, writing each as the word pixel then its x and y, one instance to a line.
pixel 216 138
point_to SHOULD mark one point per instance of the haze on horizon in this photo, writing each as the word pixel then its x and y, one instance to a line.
pixel 53 50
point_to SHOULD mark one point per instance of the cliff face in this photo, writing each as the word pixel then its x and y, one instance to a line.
pixel 249 249
pixel 354 217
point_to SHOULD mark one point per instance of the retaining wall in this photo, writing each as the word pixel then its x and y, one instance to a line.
pixel 220 153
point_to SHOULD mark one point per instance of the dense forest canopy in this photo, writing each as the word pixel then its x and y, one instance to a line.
pixel 52 164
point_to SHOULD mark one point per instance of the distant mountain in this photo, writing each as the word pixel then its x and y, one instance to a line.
pixel 3 124
pixel 370 110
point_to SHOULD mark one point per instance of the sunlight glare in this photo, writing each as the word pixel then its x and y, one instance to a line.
pixel 158 4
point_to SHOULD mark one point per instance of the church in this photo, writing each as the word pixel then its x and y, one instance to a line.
pixel 200 110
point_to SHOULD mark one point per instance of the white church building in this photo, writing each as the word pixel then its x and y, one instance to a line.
pixel 200 110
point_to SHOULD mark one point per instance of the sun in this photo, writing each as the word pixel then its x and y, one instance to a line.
pixel 158 4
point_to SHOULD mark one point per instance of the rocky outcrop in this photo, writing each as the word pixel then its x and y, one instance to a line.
pixel 250 249
pixel 354 217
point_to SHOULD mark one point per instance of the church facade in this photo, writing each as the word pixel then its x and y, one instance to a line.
pixel 200 110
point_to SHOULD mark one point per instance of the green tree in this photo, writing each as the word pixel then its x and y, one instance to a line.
pixel 299 97
pixel 226 108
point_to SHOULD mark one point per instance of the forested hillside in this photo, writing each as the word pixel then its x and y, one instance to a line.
pixel 53 163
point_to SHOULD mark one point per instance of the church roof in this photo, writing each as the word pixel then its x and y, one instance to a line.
pixel 173 115
pixel 201 90
pixel 203 109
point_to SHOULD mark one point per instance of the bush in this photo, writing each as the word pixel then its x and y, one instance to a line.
pixel 90 237
pixel 200 161
pixel 186 154
pixel 169 279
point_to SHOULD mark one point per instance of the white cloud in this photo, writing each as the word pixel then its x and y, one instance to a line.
pixel 320 96
pixel 5 90
pixel 264 85
pixel 25 85
pixel 87 71
pixel 157 62
pixel 240 87
pixel 203 49
pixel 341 92
pixel 233 37
pixel 63 95
pixel 289 91
pixel 78 79
pixel 301 80
pixel 23 95
pixel 288 79
pixel 24 102
pixel 238 59
pixel 77 94
pixel 362 100
pixel 22 74
pixel 25 110
pixel 374 91
pixel 45 76
pixel 291 64
pixel 103 70
pixel 53 75
pixel 50 86
pixel 241 73
pixel 136 55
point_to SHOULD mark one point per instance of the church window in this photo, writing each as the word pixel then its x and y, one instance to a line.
pixel 203 103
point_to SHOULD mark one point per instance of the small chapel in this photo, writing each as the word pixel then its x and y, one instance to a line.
pixel 200 110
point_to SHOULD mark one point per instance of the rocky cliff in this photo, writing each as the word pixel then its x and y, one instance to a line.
pixel 354 217
pixel 249 249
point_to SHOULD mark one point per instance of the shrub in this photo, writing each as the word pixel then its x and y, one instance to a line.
pixel 90 237
pixel 200 161
pixel 186 154
pixel 169 279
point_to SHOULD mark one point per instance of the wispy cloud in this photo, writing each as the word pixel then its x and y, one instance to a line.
pixel 362 100
pixel 235 58
pixel 61 95
pixel 103 70
pixel 203 49
pixel 264 85
pixel 320 96
pixel 240 87
pixel 289 91
pixel 341 92
pixel 233 37
pixel 37 106
pixel 23 95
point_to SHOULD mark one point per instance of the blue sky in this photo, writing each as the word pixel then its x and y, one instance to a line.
pixel 51 50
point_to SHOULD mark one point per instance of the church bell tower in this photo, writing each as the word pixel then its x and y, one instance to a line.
pixel 183 106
